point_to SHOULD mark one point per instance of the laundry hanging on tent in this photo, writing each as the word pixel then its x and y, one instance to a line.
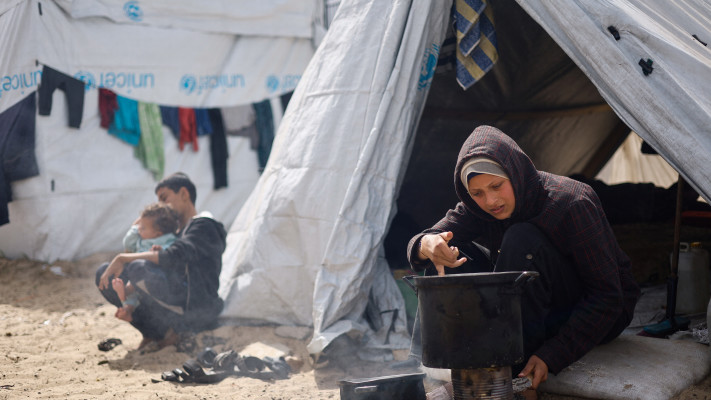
pixel 107 107
pixel 284 99
pixel 169 115
pixel 125 125
pixel 188 128
pixel 476 40
pixel 265 126
pixel 241 121
pixel 150 147
pixel 218 148
pixel 202 122
pixel 73 91
pixel 17 149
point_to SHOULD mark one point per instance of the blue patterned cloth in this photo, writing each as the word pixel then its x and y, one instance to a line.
pixel 476 40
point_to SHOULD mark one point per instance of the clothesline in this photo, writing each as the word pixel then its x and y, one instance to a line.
pixel 140 123
pixel 137 123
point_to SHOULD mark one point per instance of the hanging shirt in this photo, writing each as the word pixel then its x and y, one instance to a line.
pixel 188 128
pixel 107 107
pixel 126 125
pixel 169 115
pixel 202 121
pixel 73 91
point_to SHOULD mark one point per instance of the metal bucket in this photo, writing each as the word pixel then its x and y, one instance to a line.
pixel 471 320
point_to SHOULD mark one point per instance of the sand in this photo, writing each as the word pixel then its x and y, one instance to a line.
pixel 52 319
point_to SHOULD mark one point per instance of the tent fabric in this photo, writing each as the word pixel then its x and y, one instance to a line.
pixel 19 74
pixel 91 187
pixel 175 67
pixel 309 237
pixel 669 108
pixel 287 18
pixel 8 5
pixel 629 164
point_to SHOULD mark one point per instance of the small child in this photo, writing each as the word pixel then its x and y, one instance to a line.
pixel 154 230
pixel 157 225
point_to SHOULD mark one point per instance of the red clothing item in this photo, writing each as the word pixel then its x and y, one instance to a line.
pixel 188 128
pixel 107 107
pixel 570 215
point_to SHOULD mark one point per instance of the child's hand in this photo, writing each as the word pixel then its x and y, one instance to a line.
pixel 156 247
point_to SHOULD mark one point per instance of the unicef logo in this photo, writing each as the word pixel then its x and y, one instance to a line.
pixel 429 63
pixel 188 83
pixel 133 11
pixel 87 77
pixel 272 83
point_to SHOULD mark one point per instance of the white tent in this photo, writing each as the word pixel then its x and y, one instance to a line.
pixel 309 238
pixel 91 187
pixel 629 164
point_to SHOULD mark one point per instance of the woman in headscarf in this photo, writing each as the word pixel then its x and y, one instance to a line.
pixel 522 219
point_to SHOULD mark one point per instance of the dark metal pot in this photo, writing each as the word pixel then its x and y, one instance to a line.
pixel 392 387
pixel 471 320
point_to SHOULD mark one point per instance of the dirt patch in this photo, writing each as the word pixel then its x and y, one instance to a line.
pixel 53 318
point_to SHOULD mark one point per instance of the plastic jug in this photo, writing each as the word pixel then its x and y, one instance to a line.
pixel 693 288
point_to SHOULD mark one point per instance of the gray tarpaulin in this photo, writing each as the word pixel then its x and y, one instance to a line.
pixel 670 108
pixel 309 239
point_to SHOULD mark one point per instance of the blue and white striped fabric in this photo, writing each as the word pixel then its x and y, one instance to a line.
pixel 476 40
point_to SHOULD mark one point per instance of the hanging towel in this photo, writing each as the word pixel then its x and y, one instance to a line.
pixel 265 127
pixel 476 40
pixel 125 125
pixel 188 128
pixel 73 92
pixel 218 148
pixel 17 149
pixel 169 115
pixel 150 147
pixel 107 107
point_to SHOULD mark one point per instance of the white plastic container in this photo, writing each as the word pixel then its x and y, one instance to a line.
pixel 692 295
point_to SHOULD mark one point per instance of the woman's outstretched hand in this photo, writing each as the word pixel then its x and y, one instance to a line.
pixel 436 248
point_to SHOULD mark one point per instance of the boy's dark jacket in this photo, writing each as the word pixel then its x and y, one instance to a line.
pixel 196 259
pixel 571 215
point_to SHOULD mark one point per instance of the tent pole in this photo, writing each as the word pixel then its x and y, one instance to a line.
pixel 672 323
pixel 673 280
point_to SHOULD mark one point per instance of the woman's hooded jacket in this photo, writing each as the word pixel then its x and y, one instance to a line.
pixel 571 216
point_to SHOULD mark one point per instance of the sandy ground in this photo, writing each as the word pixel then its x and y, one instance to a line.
pixel 52 318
